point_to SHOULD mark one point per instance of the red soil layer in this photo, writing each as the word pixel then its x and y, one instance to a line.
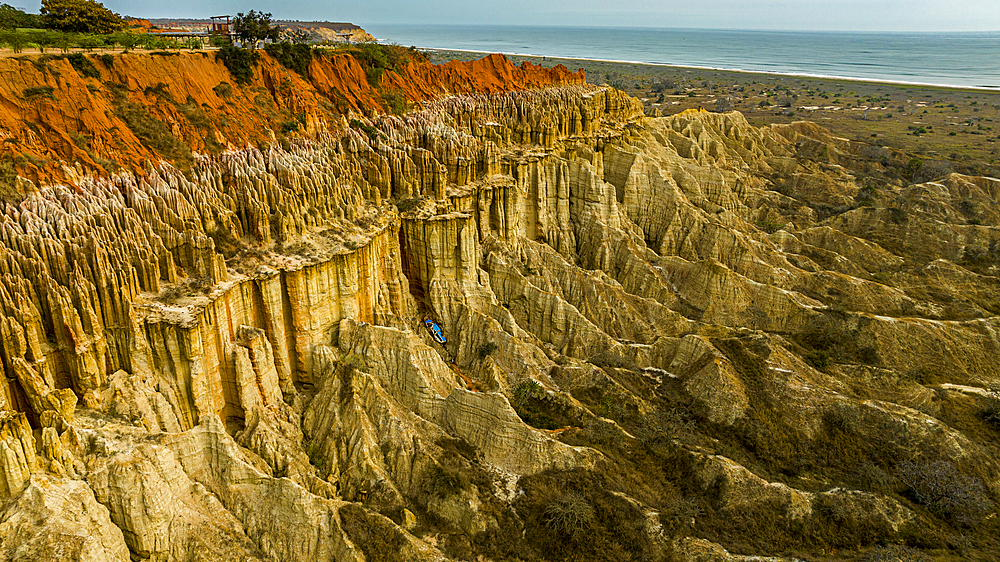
pixel 51 114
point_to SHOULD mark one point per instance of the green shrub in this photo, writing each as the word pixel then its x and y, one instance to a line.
pixel 240 62
pixel 194 114
pixel 912 167
pixel 405 205
pixel 372 55
pixel 13 18
pixel 107 59
pixel 160 91
pixel 574 515
pixel 374 75
pixel 223 90
pixel 818 358
pixel 539 410
pixel 607 358
pixel 42 39
pixel 38 92
pixel 15 40
pixel 8 181
pixel 396 101
pixel 603 432
pixel 769 225
pixel 372 132
pixel 83 65
pixel 836 336
pixel 151 42
pixel 661 427
pixel 89 42
pixel 85 16
pixel 526 390
pixel 294 56
pixel 64 41
pixel 127 40
pixel 875 478
pixel 485 349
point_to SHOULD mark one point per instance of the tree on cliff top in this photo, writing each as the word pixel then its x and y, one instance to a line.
pixel 80 16
pixel 255 26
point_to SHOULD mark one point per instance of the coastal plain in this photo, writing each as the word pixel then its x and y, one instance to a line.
pixel 955 127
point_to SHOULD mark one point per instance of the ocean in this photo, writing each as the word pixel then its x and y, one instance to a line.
pixel 946 59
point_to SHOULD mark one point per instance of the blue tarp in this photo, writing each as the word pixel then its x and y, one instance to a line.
pixel 435 331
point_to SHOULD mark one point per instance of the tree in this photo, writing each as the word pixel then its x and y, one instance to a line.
pixel 255 26
pixel 81 16
pixel 12 18
pixel 42 39
pixel 15 40
pixel 127 40
pixel 724 104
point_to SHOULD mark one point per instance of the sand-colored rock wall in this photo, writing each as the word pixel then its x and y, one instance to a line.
pixel 235 355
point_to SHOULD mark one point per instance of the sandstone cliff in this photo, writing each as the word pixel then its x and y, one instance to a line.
pixel 111 112
pixel 667 338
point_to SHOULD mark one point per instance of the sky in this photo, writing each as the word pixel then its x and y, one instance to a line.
pixel 828 15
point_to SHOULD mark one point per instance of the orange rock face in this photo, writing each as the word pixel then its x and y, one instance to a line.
pixel 147 107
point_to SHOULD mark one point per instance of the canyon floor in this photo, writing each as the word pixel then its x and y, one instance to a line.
pixel 678 338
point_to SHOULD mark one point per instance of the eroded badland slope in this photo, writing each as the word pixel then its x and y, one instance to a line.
pixel 681 338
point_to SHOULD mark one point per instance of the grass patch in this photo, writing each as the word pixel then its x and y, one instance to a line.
pixel 153 133
pixel 9 192
pixel 396 101
pixel 37 92
pixel 223 89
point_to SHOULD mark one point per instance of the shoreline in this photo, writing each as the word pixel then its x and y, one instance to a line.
pixel 983 88
pixel 957 126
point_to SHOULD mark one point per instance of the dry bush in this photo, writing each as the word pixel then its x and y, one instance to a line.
pixel 377 536
pixel 992 410
pixel 603 432
pixel 445 478
pixel 894 553
pixel 569 515
pixel 940 486
pixel 573 515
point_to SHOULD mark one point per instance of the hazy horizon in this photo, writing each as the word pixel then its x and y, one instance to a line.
pixel 766 15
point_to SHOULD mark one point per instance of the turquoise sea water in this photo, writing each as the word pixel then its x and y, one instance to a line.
pixel 951 59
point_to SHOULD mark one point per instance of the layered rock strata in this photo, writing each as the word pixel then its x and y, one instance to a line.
pixel 232 361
